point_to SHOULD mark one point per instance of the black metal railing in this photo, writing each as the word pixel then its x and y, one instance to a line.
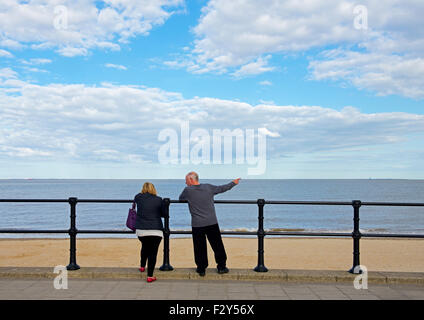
pixel 260 233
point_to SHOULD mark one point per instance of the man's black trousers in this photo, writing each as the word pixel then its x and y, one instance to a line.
pixel 213 234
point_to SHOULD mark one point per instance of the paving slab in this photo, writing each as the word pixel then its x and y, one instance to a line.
pixel 94 289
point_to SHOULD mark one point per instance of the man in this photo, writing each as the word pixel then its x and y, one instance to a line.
pixel 204 222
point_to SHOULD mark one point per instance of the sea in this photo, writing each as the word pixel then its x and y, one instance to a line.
pixel 231 217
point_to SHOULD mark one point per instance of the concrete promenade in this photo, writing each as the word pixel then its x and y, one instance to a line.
pixel 185 284
pixel 96 289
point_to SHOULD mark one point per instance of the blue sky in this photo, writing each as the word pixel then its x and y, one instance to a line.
pixel 86 87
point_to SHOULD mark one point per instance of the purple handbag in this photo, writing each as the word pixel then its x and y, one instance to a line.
pixel 132 214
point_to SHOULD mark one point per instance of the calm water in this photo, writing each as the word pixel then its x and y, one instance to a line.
pixel 231 217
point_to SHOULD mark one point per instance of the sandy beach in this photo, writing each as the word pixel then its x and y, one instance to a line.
pixel 280 253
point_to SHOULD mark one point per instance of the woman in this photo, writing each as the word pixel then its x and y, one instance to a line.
pixel 149 227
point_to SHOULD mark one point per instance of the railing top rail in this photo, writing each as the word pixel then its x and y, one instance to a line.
pixel 305 202
pixel 288 202
pixel 34 200
pixel 401 204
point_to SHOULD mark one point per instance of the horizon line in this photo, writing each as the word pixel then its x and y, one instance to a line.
pixel 29 179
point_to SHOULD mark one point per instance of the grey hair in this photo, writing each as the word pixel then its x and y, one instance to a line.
pixel 193 175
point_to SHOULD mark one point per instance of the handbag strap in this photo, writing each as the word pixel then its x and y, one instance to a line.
pixel 133 206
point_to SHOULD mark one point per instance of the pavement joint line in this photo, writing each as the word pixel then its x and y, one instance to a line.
pixel 235 275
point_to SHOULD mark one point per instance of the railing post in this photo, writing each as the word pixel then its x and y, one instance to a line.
pixel 261 234
pixel 166 232
pixel 73 236
pixel 356 235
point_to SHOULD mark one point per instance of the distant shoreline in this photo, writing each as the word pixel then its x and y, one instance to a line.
pixel 182 179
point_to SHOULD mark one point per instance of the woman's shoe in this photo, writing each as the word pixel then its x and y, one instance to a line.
pixel 151 279
pixel 142 269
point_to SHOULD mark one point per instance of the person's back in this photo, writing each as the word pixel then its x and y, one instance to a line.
pixel 149 227
pixel 200 200
pixel 204 222
pixel 150 209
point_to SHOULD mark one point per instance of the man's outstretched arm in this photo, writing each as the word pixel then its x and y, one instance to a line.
pixel 226 187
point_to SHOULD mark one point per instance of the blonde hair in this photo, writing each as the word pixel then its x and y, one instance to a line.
pixel 149 188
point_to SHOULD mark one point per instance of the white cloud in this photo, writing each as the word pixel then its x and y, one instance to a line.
pixel 266 132
pixel 115 66
pixel 8 73
pixel 35 70
pixel 23 152
pixel 116 156
pixel 254 68
pixel 267 102
pixel 6 54
pixel 75 27
pixel 265 83
pixel 385 74
pixel 122 123
pixel 10 44
pixel 233 36
pixel 28 64
pixel 36 61
pixel 72 51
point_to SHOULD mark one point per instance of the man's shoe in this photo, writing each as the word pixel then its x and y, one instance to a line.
pixel 223 270
pixel 201 272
